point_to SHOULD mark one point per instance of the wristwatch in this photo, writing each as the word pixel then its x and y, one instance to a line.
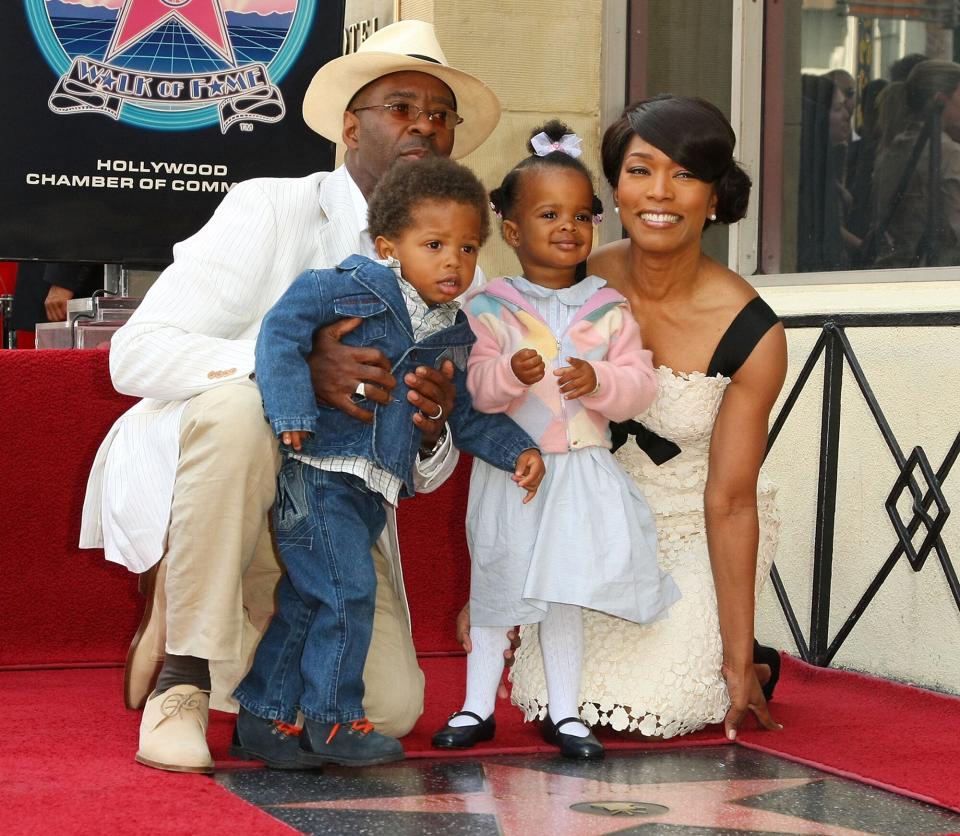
pixel 428 451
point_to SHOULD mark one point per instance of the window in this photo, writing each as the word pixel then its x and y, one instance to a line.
pixel 683 47
pixel 861 136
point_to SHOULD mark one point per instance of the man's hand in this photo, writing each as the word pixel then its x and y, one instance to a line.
pixel 336 370
pixel 745 695
pixel 529 472
pixel 577 379
pixel 527 365
pixel 55 304
pixel 433 393
pixel 463 636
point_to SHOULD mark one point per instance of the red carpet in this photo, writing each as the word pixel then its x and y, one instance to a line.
pixel 894 736
pixel 66 756
pixel 67 767
pixel 67 753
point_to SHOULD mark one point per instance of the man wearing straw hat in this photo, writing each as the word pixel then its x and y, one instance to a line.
pixel 181 486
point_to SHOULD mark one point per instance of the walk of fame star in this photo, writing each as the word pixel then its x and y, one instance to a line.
pixel 204 18
pixel 528 801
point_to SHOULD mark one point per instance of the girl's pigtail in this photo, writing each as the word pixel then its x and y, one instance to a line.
pixel 597 209
pixel 496 202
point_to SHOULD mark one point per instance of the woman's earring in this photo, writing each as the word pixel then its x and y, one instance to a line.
pixel 616 209
pixel 713 216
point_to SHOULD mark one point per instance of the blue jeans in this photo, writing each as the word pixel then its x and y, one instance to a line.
pixel 312 655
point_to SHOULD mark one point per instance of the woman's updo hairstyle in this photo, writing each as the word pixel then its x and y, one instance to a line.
pixel 929 82
pixel 505 198
pixel 905 104
pixel 691 132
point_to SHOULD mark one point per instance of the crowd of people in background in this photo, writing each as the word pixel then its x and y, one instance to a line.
pixel 879 183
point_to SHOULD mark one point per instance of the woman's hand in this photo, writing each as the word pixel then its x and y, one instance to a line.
pixel 463 636
pixel 745 695
pixel 338 370
pixel 433 393
pixel 528 366
pixel 577 379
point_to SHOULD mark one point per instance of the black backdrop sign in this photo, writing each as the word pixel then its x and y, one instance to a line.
pixel 132 118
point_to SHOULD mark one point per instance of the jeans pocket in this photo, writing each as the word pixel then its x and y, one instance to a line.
pixel 293 515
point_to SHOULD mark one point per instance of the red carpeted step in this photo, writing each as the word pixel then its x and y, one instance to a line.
pixel 60 604
pixel 895 736
pixel 436 564
pixel 63 605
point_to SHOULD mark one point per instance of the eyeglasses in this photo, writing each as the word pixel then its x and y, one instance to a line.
pixel 406 112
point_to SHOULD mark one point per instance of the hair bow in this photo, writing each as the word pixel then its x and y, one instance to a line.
pixel 569 144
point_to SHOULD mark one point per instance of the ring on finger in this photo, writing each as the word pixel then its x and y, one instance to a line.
pixel 438 416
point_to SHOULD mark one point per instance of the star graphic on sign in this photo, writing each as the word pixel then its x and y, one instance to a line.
pixel 204 18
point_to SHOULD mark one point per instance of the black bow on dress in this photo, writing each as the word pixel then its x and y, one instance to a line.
pixel 658 448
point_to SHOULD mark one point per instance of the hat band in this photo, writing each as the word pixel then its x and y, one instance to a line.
pixel 423 58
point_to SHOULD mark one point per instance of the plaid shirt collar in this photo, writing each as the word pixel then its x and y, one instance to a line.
pixel 425 319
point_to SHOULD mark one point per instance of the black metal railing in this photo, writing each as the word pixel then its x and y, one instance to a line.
pixel 929 506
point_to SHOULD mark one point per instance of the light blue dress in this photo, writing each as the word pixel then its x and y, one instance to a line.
pixel 588 537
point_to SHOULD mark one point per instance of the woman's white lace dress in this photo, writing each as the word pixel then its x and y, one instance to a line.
pixel 661 678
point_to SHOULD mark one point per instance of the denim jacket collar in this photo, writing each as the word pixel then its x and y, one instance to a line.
pixel 381 281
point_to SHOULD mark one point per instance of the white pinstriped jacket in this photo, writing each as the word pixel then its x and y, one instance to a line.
pixel 195 329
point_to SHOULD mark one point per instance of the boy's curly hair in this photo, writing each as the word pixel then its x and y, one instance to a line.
pixel 408 184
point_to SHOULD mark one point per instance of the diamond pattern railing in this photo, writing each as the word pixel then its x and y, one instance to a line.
pixel 929 508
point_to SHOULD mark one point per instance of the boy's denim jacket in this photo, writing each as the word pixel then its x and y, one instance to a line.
pixel 359 287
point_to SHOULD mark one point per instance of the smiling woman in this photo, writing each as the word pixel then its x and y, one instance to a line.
pixel 721 359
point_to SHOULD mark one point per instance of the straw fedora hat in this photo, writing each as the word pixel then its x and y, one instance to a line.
pixel 408 45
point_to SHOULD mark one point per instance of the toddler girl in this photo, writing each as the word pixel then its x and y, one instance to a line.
pixel 561 357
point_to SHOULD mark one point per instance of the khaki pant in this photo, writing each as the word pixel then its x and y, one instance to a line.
pixel 222 569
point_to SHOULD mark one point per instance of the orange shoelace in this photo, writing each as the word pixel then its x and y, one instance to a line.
pixel 287 729
pixel 363 725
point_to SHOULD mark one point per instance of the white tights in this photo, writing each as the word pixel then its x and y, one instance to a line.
pixel 561 641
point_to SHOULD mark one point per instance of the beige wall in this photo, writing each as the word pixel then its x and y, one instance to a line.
pixel 911 630
pixel 542 59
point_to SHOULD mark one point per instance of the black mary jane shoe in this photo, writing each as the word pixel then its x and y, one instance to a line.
pixel 763 655
pixel 579 748
pixel 464 737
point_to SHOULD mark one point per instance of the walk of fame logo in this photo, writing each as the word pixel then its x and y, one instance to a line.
pixel 171 64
